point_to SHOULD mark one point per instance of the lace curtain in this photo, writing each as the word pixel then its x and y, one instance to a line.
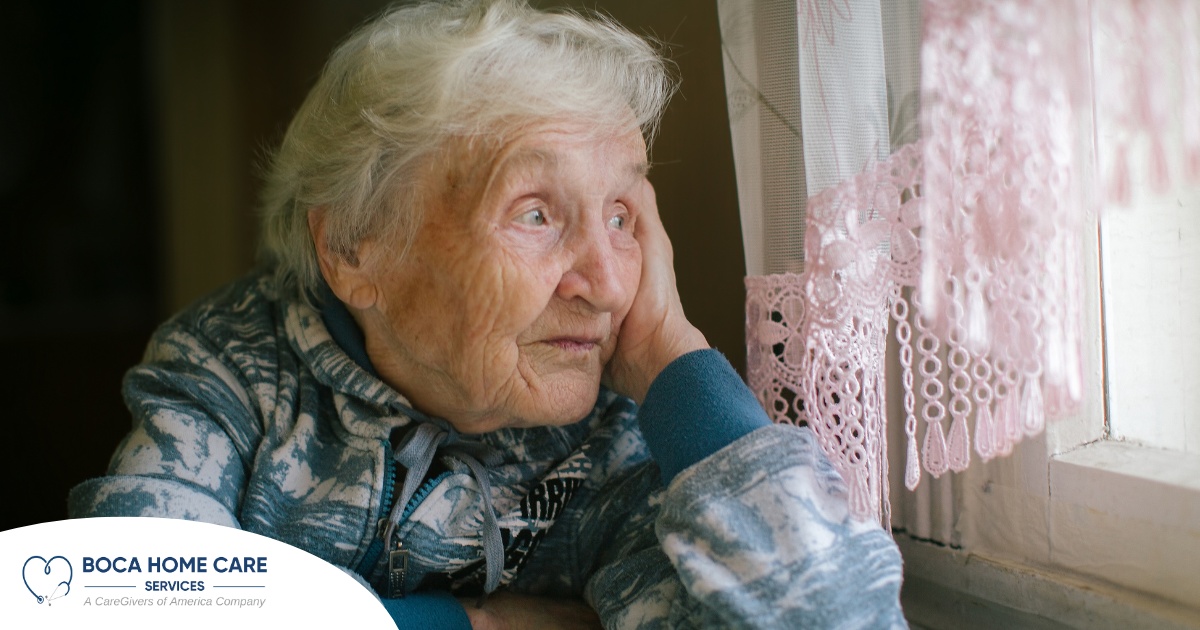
pixel 926 170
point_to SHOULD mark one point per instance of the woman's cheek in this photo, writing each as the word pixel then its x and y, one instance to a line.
pixel 517 290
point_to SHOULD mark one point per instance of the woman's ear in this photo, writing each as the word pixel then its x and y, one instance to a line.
pixel 346 273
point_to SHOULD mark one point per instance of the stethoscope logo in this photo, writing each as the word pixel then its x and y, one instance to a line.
pixel 47 580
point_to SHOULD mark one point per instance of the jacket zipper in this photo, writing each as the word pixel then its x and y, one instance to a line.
pixel 397 572
pixel 385 507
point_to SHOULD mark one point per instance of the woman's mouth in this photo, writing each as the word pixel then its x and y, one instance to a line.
pixel 574 344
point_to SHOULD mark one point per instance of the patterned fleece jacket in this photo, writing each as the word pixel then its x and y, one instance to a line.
pixel 256 411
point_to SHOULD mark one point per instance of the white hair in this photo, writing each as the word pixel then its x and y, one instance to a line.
pixel 406 83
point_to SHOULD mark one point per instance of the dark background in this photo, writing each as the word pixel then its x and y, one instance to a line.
pixel 130 138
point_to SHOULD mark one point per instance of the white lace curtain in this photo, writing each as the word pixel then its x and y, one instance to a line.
pixel 923 169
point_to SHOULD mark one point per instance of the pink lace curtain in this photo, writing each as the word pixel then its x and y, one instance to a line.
pixel 925 170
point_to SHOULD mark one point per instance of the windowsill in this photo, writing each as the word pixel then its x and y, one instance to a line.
pixel 1119 549
pixel 1128 515
pixel 1131 480
pixel 948 589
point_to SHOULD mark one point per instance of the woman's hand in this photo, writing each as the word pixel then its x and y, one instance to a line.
pixel 509 611
pixel 655 332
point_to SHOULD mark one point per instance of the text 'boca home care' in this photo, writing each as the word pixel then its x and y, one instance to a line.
pixel 171 564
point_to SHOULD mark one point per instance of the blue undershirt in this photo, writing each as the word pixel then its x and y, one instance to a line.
pixel 695 407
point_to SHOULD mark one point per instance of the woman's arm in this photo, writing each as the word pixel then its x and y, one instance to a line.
pixel 193 439
pixel 504 610
pixel 753 528
pixel 754 535
pixel 190 452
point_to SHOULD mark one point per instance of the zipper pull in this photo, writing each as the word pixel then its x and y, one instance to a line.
pixel 397 570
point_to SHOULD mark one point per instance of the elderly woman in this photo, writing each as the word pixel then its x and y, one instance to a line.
pixel 466 369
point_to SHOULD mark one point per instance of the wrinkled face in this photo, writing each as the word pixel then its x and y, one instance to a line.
pixel 507 306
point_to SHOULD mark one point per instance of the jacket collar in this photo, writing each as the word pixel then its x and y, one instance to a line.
pixel 330 343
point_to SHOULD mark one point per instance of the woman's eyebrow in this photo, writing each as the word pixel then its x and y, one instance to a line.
pixel 528 157
pixel 637 172
pixel 531 158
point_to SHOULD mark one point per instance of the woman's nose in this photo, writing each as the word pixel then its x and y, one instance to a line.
pixel 595 274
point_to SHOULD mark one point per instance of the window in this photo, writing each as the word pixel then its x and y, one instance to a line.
pixel 1097 523
pixel 1090 523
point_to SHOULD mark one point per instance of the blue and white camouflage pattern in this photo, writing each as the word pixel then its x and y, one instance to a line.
pixel 246 413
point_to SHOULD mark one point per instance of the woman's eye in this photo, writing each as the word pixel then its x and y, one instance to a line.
pixel 535 217
pixel 617 222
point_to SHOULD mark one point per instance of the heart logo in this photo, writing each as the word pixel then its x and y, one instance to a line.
pixel 48 580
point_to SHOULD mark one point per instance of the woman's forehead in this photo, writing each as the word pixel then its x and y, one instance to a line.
pixel 483 165
pixel 552 151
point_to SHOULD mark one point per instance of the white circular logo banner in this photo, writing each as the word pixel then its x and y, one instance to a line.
pixel 157 573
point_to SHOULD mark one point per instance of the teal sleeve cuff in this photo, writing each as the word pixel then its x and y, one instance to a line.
pixel 696 406
pixel 432 610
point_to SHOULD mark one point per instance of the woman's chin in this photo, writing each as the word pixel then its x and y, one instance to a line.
pixel 554 405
